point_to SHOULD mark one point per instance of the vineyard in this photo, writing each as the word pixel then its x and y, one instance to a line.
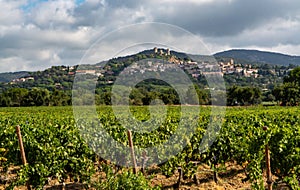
pixel 62 149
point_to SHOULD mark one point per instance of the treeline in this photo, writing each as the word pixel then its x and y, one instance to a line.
pixel 146 95
pixel 17 97
pixel 243 96
pixel 287 94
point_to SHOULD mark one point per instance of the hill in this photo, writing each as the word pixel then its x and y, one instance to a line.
pixel 7 77
pixel 255 56
pixel 249 67
pixel 249 70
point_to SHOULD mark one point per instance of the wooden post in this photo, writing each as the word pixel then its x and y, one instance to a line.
pixel 177 186
pixel 144 161
pixel 23 156
pixel 268 163
pixel 269 174
pixel 195 175
pixel 215 170
pixel 215 176
pixel 132 151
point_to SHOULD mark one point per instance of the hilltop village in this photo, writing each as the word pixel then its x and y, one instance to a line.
pixel 234 71
pixel 262 82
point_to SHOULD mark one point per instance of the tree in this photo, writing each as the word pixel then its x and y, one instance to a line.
pixel 5 101
pixel 293 76
pixel 37 97
pixel 136 97
pixel 232 96
pixel 16 95
pixel 288 93
pixel 192 96
pixel 60 98
pixel 200 97
pixel 243 96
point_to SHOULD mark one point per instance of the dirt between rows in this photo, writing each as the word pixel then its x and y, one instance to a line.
pixel 232 178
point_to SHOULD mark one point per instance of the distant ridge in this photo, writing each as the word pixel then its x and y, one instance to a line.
pixel 7 77
pixel 240 55
pixel 255 56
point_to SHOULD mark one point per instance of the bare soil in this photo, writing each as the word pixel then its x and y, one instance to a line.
pixel 232 178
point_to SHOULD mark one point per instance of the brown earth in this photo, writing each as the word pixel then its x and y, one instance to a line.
pixel 230 179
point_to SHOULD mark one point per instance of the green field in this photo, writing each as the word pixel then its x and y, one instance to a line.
pixel 55 149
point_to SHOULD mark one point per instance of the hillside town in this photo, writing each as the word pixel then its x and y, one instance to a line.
pixel 156 59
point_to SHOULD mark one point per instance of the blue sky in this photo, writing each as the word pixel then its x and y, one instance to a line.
pixel 31 4
pixel 79 1
pixel 37 34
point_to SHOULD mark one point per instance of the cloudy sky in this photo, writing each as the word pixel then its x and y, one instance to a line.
pixel 37 34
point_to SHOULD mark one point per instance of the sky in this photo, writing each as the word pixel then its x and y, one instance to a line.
pixel 38 34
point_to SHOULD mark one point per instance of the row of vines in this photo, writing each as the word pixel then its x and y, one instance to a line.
pixel 55 149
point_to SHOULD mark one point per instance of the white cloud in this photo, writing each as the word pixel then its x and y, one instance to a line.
pixel 10 14
pixel 47 33
pixel 193 1
pixel 278 34
pixel 52 14
pixel 14 64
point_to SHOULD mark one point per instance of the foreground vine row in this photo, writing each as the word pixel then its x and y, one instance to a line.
pixel 56 150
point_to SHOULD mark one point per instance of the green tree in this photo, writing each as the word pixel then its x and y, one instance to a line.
pixel 243 96
pixel 60 98
pixel 16 95
pixel 37 97
pixel 5 101
pixel 288 93
pixel 293 76
pixel 136 97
